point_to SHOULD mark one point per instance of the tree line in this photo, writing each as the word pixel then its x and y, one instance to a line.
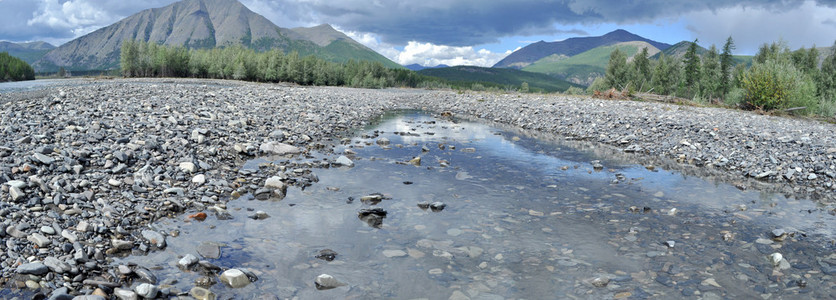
pixel 148 59
pixel 778 79
pixel 14 69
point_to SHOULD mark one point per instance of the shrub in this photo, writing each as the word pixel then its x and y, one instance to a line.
pixel 777 84
pixel 600 84
pixel 735 97
pixel 574 91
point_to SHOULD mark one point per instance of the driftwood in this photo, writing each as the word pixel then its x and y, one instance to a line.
pixel 795 108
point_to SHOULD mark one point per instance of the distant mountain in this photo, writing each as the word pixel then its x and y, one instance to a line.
pixel 499 76
pixel 678 51
pixel 203 24
pixel 583 68
pixel 569 47
pixel 28 52
pixel 417 67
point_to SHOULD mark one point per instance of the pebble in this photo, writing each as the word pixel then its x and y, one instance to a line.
pixel 325 281
pixel 344 161
pixel 199 179
pixel 154 237
pixel 187 261
pixel 209 250
pixel 35 268
pixel 394 253
pixel 124 294
pixel 147 290
pixel 200 293
pixel 234 278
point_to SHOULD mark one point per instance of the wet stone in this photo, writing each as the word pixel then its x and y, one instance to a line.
pixel 209 250
pixel 147 290
pixel 327 255
pixel 234 278
pixel 326 282
pixel 32 268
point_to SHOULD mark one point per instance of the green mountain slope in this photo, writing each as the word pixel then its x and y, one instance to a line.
pixel 28 52
pixel 678 51
pixel 200 24
pixel 500 76
pixel 585 67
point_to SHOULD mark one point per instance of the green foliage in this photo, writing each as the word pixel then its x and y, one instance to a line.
pixel 617 70
pixel 500 78
pixel 778 84
pixel 726 64
pixel 640 74
pixel 710 82
pixel 826 78
pixel 14 69
pixel 524 87
pixel 665 75
pixel 141 59
pixel 574 91
pixel 600 84
pixel 691 75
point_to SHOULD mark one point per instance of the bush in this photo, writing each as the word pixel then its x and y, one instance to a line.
pixel 777 84
pixel 600 84
pixel 735 97
pixel 574 91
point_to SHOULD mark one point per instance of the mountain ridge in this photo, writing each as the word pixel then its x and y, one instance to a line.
pixel 569 47
pixel 30 52
pixel 198 24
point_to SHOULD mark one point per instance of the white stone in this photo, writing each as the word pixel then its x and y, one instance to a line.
pixel 200 293
pixel 15 193
pixel 39 239
pixel 187 167
pixel 235 278
pixel 82 226
pixel 71 237
pixel 187 261
pixel 147 290
pixel 394 253
pixel 344 161
pixel 275 182
pixel 776 258
pixel 199 179
pixel 16 183
pixel 124 294
pixel 325 281
pixel 114 182
pixel 279 148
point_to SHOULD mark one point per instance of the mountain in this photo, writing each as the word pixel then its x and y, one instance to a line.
pixel 569 47
pixel 203 24
pixel 499 76
pixel 678 51
pixel 417 67
pixel 28 52
pixel 583 68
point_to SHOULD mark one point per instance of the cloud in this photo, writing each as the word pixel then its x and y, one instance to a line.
pixel 803 26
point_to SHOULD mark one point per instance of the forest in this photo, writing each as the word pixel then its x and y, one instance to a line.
pixel 778 79
pixel 14 69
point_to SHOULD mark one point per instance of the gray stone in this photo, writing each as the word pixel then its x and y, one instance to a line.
pixel 122 244
pixel 200 293
pixel 394 253
pixel 187 167
pixel 275 182
pixel 15 193
pixel 209 250
pixel 344 161
pixel 16 183
pixel 187 261
pixel 325 281
pixel 35 268
pixel 48 230
pixel 235 278
pixel 147 290
pixel 124 294
pixel 199 179
pixel 154 237
pixel 89 297
pixel 56 265
pixel 277 148
pixel 39 239
pixel 44 159
pixel 71 237
pixel 383 141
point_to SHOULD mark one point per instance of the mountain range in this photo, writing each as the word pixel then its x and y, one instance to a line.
pixel 28 52
pixel 203 24
pixel 569 47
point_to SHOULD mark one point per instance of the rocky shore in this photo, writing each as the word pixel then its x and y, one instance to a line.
pixel 86 170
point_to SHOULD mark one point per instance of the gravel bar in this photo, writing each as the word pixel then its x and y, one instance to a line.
pixel 87 169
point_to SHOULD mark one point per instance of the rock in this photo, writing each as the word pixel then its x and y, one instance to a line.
pixel 39 239
pixel 235 278
pixel 187 167
pixel 48 230
pixel 344 161
pixel 416 161
pixel 69 235
pixel 394 253
pixel 200 293
pixel 147 290
pixel 89 297
pixel 122 244
pixel 372 199
pixel 327 255
pixel 124 294
pixel 812 177
pixel 275 182
pixel 277 148
pixel 154 237
pixel 114 182
pixel 15 193
pixel 35 268
pixel 199 179
pixel 670 244
pixel 600 282
pixel 383 141
pixel 374 216
pixel 437 206
pixel 187 261
pixel 776 258
pixel 710 282
pixel 44 159
pixel 56 265
pixel 325 282
pixel 458 295
pixel 209 250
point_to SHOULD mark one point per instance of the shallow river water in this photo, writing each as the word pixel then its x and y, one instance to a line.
pixel 524 219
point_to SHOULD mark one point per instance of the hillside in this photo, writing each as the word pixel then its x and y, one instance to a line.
pixel 678 51
pixel 501 76
pixel 202 24
pixel 569 47
pixel 585 67
pixel 28 52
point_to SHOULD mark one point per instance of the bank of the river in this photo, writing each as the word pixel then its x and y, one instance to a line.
pixel 87 168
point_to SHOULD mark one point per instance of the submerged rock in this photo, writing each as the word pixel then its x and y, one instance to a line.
pixel 235 278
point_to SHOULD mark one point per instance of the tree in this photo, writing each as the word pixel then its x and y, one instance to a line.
pixel 665 75
pixel 62 72
pixel 692 68
pixel 710 82
pixel 640 69
pixel 524 87
pixel 617 70
pixel 826 78
pixel 726 63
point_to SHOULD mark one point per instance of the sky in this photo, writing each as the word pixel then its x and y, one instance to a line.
pixel 472 32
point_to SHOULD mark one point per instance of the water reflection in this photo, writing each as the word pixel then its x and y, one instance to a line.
pixel 523 218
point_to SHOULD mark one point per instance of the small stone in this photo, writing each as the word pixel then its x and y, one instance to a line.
pixel 200 293
pixel 812 177
pixel 776 258
pixel 48 230
pixel 82 226
pixel 44 159
pixel 69 235
pixel 56 265
pixel 383 141
pixel 147 290
pixel 122 244
pixel 275 182
pixel 199 179
pixel 114 182
pixel 325 282
pixel 124 294
pixel 344 161
pixel 458 295
pixel 394 253
pixel 187 261
pixel 15 193
pixel 670 244
pixel 327 255
pixel 39 239
pixel 235 278
pixel 416 161
pixel 711 282
pixel 209 250
pixel 155 238
pixel 437 206
pixel 187 167
pixel 277 148
pixel 600 281
pixel 35 268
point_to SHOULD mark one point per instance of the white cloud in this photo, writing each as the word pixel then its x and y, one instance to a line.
pixel 750 27
pixel 78 17
pixel 428 54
